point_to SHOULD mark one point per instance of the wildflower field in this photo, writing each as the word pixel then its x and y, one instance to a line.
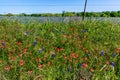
pixel 88 50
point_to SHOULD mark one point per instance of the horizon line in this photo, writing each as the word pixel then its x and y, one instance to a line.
pixel 56 12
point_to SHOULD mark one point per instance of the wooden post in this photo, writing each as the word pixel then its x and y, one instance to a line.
pixel 84 10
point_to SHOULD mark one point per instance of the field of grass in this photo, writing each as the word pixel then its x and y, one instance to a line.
pixel 59 51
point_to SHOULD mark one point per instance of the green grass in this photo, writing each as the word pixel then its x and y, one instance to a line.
pixel 59 51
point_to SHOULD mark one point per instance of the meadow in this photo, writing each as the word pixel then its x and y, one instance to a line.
pixel 75 50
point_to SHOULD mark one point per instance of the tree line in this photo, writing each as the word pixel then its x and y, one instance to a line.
pixel 70 14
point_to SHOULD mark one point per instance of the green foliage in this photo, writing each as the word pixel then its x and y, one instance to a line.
pixel 9 14
pixel 22 14
pixel 114 14
pixel 71 14
pixel 59 51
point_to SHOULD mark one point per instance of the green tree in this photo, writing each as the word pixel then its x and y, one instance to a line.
pixel 103 15
pixel 113 14
pixel 22 14
pixel 107 13
pixel 9 14
pixel 1 15
pixel 118 13
pixel 58 15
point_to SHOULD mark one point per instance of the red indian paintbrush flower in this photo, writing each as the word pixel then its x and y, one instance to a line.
pixel 20 55
pixel 58 49
pixel 107 62
pixel 76 55
pixel 85 65
pixel 21 63
pixel 18 43
pixel 70 36
pixel 85 58
pixel 49 63
pixel 76 61
pixel 71 54
pixel 117 50
pixel 40 65
pixel 0 61
pixel 92 69
pixel 65 57
pixel 7 68
pixel 30 72
pixel 24 50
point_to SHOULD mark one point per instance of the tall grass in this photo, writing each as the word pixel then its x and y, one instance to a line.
pixel 59 51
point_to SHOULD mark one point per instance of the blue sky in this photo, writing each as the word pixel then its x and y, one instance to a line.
pixel 56 6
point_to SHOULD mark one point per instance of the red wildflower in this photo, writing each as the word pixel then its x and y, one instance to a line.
pixel 85 65
pixel 21 63
pixel 7 68
pixel 76 55
pixel 0 61
pixel 58 49
pixel 117 50
pixel 38 60
pixel 20 55
pixel 30 72
pixel 107 62
pixel 83 48
pixel 44 58
pixel 37 77
pixel 40 65
pixel 70 60
pixel 69 36
pixel 92 70
pixel 65 57
pixel 44 65
pixel 85 58
pixel 12 58
pixel 24 50
pixel 1 46
pixel 49 63
pixel 71 54
pixel 81 78
pixel 18 43
pixel 30 53
pixel 40 69
pixel 76 61
pixel 62 49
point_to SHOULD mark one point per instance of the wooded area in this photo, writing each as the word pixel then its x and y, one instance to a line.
pixel 70 14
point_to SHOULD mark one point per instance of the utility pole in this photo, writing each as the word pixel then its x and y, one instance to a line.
pixel 84 10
